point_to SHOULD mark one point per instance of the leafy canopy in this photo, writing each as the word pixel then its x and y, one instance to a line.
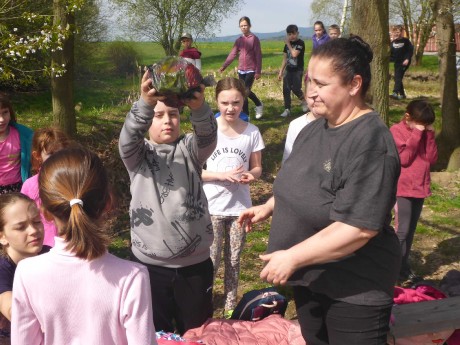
pixel 163 21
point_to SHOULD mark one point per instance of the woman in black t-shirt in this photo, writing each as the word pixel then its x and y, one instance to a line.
pixel 330 235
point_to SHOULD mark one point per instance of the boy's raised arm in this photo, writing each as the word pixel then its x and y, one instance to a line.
pixel 136 125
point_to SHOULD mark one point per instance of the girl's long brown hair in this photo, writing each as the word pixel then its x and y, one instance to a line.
pixel 77 173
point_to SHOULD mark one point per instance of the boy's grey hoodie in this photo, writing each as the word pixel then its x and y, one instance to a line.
pixel 170 222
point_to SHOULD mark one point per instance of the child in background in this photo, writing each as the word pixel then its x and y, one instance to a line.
pixel 236 162
pixel 295 126
pixel 21 236
pixel 401 51
pixel 15 144
pixel 189 53
pixel 95 295
pixel 320 36
pixel 291 70
pixel 171 230
pixel 415 140
pixel 247 46
pixel 45 142
pixel 334 31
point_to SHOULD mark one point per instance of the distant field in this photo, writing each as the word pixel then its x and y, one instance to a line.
pixel 215 53
pixel 100 87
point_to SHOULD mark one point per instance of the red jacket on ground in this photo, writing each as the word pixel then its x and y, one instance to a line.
pixel 417 152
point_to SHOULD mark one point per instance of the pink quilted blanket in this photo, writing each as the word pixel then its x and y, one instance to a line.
pixel 273 330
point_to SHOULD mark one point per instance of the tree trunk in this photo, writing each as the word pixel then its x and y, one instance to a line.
pixel 373 14
pixel 344 15
pixel 62 85
pixel 424 27
pixel 449 139
pixel 424 36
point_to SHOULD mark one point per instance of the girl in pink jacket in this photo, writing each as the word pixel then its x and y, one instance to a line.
pixel 414 138
pixel 45 142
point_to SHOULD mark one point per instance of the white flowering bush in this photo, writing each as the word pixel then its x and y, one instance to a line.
pixel 28 41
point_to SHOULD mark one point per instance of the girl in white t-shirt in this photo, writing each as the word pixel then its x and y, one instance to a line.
pixel 236 162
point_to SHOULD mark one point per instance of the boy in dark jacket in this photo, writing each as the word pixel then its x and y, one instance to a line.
pixel 401 54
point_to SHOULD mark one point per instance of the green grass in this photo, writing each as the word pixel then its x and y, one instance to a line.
pixel 441 201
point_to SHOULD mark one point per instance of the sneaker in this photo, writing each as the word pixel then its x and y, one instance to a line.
pixel 394 95
pixel 285 113
pixel 304 106
pixel 259 111
pixel 400 97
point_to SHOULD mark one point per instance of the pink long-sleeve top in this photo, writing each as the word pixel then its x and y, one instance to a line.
pixel 417 152
pixel 250 54
pixel 30 188
pixel 61 299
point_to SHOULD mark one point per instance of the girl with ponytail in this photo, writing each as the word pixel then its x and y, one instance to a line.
pixel 96 297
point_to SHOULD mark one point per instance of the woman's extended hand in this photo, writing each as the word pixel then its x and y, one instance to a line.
pixel 279 267
pixel 255 214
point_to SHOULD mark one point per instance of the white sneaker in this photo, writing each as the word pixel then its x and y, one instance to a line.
pixel 259 111
pixel 285 113
pixel 304 106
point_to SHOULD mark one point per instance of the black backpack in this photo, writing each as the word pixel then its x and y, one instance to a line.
pixel 258 304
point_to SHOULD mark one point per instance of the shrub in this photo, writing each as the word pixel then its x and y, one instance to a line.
pixel 123 57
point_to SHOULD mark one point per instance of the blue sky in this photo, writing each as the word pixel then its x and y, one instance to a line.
pixel 269 16
pixel 265 15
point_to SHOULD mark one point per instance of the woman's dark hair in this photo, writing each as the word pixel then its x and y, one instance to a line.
pixel 77 173
pixel 5 201
pixel 244 18
pixel 229 83
pixel 350 57
pixel 421 111
pixel 320 23
pixel 6 103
